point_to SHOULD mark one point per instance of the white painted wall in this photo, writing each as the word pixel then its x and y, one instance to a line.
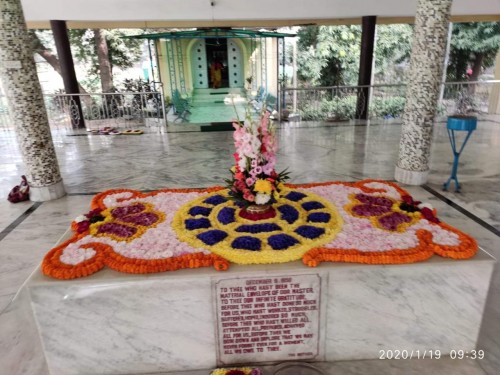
pixel 156 10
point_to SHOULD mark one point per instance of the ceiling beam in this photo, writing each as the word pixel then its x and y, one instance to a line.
pixel 245 23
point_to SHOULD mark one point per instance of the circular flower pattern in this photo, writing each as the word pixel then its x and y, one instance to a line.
pixel 303 221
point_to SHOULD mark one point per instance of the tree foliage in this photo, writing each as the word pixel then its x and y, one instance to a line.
pixel 327 54
pixel 392 52
pixel 474 45
pixel 123 53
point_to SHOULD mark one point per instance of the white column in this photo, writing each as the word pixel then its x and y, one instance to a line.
pixel 424 76
pixel 26 106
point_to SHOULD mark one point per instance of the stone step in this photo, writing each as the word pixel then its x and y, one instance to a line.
pixel 217 93
pixel 215 101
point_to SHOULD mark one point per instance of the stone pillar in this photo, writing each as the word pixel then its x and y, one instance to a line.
pixel 494 103
pixel 26 106
pixel 424 76
pixel 368 25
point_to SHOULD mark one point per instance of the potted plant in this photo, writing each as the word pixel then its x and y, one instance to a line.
pixel 463 119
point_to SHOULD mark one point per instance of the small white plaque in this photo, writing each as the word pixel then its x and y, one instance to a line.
pixel 11 64
pixel 268 319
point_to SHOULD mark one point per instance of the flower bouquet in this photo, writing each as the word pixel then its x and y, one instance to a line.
pixel 255 184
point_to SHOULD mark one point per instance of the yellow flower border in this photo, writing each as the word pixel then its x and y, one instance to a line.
pixel 402 227
pixel 224 371
pixel 266 255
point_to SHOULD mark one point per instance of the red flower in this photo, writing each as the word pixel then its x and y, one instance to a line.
pixel 248 196
pixel 83 226
pixel 93 213
pixel 429 215
pixel 409 200
pixel 239 176
pixel 272 181
pixel 235 372
pixel 240 185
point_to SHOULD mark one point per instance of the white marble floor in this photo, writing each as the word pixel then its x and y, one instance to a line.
pixel 316 152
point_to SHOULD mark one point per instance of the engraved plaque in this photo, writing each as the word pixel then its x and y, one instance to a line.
pixel 268 319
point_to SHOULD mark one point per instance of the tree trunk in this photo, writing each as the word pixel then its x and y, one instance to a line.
pixel 48 56
pixel 103 60
pixel 461 67
pixel 477 65
pixel 476 70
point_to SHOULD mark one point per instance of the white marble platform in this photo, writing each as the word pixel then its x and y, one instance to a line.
pixel 113 323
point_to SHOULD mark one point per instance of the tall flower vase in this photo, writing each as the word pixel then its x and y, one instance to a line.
pixel 257 212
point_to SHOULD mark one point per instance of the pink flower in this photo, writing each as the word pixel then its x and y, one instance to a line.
pixel 249 197
pixel 264 121
pixel 250 181
pixel 247 150
pixel 246 138
pixel 271 160
pixel 268 169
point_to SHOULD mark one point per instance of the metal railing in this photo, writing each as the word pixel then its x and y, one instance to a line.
pixel 336 103
pixel 340 103
pixel 99 110
pixel 122 109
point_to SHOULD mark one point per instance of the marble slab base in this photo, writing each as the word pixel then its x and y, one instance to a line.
pixel 47 193
pixel 112 323
pixel 407 177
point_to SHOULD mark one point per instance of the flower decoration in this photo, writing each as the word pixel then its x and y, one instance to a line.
pixel 120 223
pixel 82 223
pixel 237 371
pixel 303 221
pixel 389 214
pixel 425 209
pixel 254 178
pixel 171 229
